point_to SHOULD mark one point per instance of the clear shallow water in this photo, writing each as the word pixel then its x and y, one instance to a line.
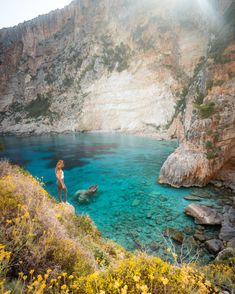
pixel 130 206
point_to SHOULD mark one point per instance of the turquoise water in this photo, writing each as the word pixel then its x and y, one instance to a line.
pixel 130 206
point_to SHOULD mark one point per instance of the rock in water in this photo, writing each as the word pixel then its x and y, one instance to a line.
pixel 203 215
pixel 174 234
pixel 192 198
pixel 185 168
pixel 214 245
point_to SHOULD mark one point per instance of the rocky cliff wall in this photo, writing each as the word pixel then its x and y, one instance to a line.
pixel 99 65
pixel 208 117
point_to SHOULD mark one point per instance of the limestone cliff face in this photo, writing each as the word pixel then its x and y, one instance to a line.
pixel 100 65
pixel 129 65
pixel 207 149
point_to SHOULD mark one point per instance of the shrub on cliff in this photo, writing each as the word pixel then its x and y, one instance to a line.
pixel 45 248
pixel 42 234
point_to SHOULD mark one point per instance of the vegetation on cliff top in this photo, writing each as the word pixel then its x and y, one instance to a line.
pixel 46 248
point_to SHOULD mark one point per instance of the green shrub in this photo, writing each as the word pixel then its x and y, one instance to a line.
pixel 206 109
pixel 209 145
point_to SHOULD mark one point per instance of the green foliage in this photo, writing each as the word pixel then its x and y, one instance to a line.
pixel 116 57
pixel 206 109
pixel 198 100
pixel 221 59
pixel 213 153
pixel 209 145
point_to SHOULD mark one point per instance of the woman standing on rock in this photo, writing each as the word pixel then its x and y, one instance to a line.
pixel 60 180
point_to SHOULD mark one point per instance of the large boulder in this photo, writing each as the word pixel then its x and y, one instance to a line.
pixel 204 215
pixel 214 245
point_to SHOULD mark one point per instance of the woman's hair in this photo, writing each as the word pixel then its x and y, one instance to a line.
pixel 58 165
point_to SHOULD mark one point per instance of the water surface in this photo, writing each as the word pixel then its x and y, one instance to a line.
pixel 130 206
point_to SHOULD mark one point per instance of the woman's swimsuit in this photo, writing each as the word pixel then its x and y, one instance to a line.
pixel 62 177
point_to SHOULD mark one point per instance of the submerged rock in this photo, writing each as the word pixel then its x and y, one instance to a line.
pixel 175 234
pixel 136 202
pixel 203 215
pixel 214 245
pixel 192 198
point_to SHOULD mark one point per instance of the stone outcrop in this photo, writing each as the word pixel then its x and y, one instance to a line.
pixel 207 144
pixel 204 215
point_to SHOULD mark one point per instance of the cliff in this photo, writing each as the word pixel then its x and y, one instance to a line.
pixel 207 149
pixel 99 65
pixel 131 66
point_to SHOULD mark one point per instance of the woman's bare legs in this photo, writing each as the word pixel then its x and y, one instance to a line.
pixel 59 193
pixel 65 194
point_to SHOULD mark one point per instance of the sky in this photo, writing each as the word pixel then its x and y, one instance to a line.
pixel 13 12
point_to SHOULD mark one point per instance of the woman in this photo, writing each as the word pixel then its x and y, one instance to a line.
pixel 60 180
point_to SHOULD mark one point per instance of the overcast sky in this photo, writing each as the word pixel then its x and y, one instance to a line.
pixel 13 12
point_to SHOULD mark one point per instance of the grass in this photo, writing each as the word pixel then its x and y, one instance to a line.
pixel 46 248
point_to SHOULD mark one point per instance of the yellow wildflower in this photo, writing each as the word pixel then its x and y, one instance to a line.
pixel 63 287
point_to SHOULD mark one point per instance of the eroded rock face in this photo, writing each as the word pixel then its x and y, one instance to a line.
pixel 108 65
pixel 203 215
pixel 207 149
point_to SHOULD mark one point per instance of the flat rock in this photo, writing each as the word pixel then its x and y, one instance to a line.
pixel 203 215
pixel 214 245
pixel 192 198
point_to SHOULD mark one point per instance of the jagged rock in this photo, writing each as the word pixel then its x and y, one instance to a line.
pixel 214 245
pixel 227 231
pixel 203 215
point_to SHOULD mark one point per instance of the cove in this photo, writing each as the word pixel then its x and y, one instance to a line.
pixel 130 207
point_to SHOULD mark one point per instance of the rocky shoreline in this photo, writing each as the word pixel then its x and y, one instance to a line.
pixel 221 245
